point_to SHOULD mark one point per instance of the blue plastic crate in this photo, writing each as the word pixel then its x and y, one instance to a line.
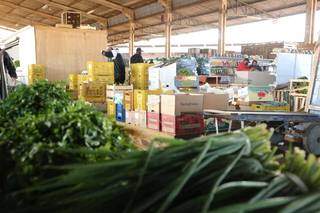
pixel 120 113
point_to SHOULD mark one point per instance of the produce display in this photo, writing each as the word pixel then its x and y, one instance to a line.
pixel 40 125
pixel 236 172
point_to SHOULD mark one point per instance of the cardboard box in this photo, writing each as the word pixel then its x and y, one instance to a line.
pixel 141 119
pixel 154 102
pixel 118 97
pixel 186 81
pixel 128 100
pixel 130 117
pixel 255 78
pixel 181 103
pixel 183 125
pixel 215 101
pixel 257 93
pixel 111 89
pixel 154 121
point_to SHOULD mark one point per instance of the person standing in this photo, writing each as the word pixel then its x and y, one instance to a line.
pixel 255 66
pixel 8 64
pixel 137 57
pixel 244 65
pixel 119 65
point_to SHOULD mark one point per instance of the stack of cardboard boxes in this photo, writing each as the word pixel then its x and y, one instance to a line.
pixel 181 114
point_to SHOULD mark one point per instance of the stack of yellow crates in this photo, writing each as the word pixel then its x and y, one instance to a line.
pixel 140 76
pixel 100 72
pixel 36 72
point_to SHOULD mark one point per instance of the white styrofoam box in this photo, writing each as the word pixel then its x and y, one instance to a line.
pixel 167 76
pixel 154 78
pixel 162 77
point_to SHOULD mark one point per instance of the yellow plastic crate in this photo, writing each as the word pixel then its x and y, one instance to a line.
pixel 142 84
pixel 82 79
pixel 100 68
pixel 111 107
pixel 140 99
pixel 36 69
pixel 128 100
pixel 102 79
pixel 139 69
pixel 140 76
pixel 93 92
pixel 73 81
pixel 36 77
pixel 257 107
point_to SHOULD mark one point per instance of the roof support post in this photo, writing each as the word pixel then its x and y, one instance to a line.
pixel 167 4
pixel 310 21
pixel 168 33
pixel 223 8
pixel 131 38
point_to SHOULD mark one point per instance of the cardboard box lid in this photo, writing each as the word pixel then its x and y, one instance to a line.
pixel 181 103
pixel 215 101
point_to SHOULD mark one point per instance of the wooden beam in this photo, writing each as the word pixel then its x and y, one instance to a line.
pixel 310 21
pixel 24 20
pixel 131 38
pixel 66 8
pixel 15 6
pixel 129 13
pixel 223 8
pixel 167 4
pixel 10 24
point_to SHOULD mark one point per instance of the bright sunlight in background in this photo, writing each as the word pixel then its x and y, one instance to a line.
pixel 289 29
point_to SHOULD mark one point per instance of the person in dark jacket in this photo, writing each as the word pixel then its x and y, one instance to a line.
pixel 8 64
pixel 137 58
pixel 119 65
pixel 255 66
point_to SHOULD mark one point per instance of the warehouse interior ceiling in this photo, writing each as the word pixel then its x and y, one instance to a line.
pixel 188 15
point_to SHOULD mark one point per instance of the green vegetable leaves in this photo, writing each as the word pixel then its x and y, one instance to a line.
pixel 40 126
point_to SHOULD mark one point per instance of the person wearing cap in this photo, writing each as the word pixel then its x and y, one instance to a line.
pixel 137 58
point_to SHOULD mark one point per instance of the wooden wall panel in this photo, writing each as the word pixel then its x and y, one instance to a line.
pixel 66 51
